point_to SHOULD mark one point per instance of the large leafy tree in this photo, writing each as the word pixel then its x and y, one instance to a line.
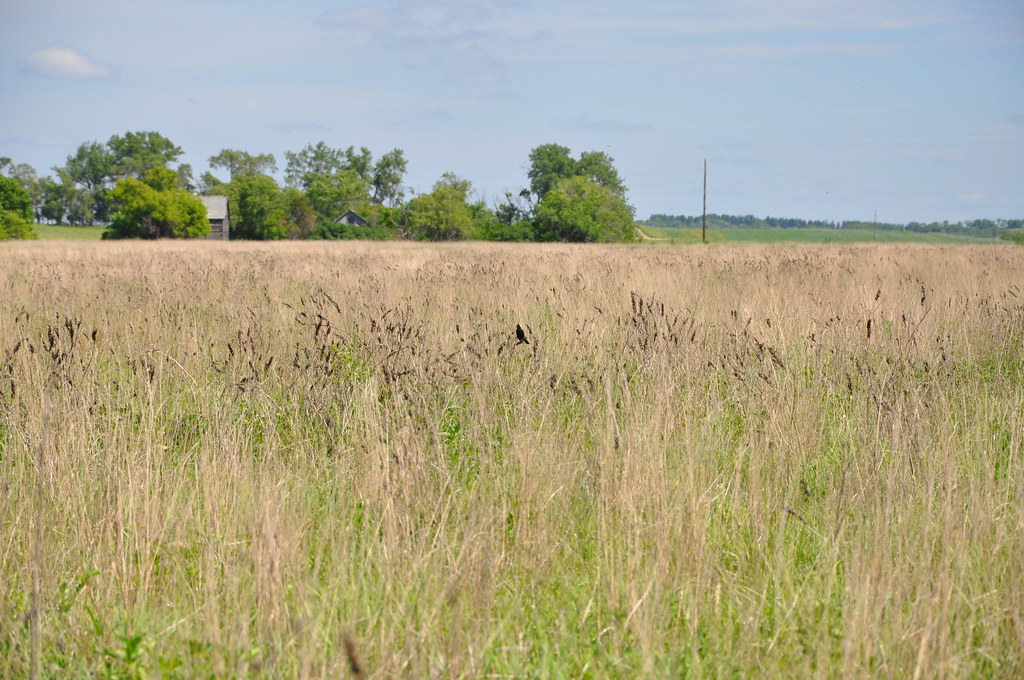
pixel 155 207
pixel 258 209
pixel 386 178
pixel 552 163
pixel 25 175
pixel 79 202
pixel 15 210
pixel 242 163
pixel 91 168
pixel 135 153
pixel 599 167
pixel 313 161
pixel 360 162
pixel 382 180
pixel 443 214
pixel 300 217
pixel 549 164
pixel 579 209
pixel 54 200
pixel 331 195
pixel 14 198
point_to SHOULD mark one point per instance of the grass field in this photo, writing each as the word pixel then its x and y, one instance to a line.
pixel 822 236
pixel 329 460
pixel 52 232
pixel 677 236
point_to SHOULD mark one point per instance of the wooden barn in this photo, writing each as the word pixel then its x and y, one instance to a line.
pixel 351 217
pixel 217 213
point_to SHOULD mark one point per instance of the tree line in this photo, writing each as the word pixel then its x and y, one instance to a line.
pixel 134 184
pixel 981 227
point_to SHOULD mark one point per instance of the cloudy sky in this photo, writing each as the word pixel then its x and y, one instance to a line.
pixel 818 109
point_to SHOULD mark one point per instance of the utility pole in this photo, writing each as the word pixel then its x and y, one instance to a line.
pixel 704 217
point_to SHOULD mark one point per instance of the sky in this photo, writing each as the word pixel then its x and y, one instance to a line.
pixel 895 110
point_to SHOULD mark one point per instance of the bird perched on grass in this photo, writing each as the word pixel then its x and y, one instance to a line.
pixel 521 335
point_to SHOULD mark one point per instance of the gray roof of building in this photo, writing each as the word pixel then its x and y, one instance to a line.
pixel 216 207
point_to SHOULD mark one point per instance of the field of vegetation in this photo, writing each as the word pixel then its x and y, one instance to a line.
pixel 669 236
pixel 63 232
pixel 330 459
pixel 808 235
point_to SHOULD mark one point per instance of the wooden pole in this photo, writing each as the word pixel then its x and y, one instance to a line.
pixel 704 218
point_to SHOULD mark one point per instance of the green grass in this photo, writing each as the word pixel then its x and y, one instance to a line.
pixel 248 459
pixel 63 232
pixel 809 236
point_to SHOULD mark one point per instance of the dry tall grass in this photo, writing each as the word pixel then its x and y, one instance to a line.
pixel 307 460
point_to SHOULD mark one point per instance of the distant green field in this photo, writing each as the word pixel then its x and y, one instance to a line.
pixel 67 233
pixel 807 236
pixel 51 232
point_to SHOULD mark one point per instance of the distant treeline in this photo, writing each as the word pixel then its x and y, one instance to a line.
pixel 992 228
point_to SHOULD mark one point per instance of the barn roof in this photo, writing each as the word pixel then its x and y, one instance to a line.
pixel 216 207
pixel 350 216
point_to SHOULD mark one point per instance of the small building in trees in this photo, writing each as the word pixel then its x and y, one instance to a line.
pixel 352 218
pixel 217 213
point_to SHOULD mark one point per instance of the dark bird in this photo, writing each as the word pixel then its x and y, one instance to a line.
pixel 521 335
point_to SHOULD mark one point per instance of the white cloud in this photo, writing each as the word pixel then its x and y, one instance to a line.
pixel 64 62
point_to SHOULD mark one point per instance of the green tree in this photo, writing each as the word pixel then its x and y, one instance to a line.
pixel 135 153
pixel 599 167
pixel 386 178
pixel 331 195
pixel 578 209
pixel 512 219
pixel 208 184
pixel 15 210
pixel 299 215
pixel 382 180
pixel 242 163
pixel 442 215
pixel 185 179
pixel 487 225
pixel 14 226
pixel 304 166
pixel 258 210
pixel 26 176
pixel 78 202
pixel 155 207
pixel 15 199
pixel 92 168
pixel 549 164
pixel 53 208
pixel 360 161
pixel 552 163
pixel 1013 235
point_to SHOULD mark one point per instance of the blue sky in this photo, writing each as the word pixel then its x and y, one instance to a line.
pixel 911 109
